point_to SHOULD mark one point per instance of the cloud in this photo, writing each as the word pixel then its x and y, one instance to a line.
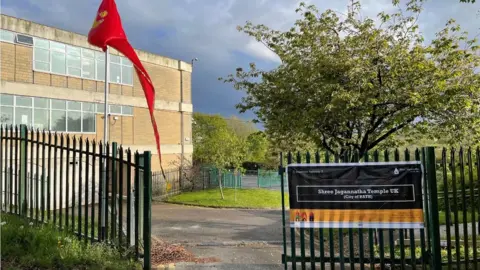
pixel 260 51
pixel 184 29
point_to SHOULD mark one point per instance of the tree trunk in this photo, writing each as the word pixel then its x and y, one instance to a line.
pixel 220 183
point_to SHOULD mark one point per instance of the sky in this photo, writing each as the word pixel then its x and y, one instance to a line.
pixel 206 29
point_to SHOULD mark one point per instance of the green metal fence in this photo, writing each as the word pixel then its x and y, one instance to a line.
pixel 268 179
pixel 451 196
pixel 55 178
pixel 229 179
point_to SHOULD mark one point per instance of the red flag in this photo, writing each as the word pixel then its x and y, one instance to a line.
pixel 107 30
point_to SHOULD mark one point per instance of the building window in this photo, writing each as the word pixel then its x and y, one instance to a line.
pixel 7 36
pixel 48 114
pixel 115 109
pixel 58 58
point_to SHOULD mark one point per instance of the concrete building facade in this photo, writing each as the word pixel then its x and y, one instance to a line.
pixel 53 79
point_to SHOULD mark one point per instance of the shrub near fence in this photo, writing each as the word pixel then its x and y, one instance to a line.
pixel 191 179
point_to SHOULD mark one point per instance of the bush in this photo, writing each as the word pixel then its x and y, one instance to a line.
pixel 26 245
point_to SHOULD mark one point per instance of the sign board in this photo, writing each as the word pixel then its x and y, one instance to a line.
pixel 356 195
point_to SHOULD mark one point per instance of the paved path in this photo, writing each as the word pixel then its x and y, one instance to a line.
pixel 241 239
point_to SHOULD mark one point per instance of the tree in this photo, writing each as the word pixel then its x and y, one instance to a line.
pixel 351 83
pixel 258 146
pixel 241 127
pixel 216 144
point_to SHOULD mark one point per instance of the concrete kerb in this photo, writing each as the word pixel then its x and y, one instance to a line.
pixel 218 207
pixel 170 266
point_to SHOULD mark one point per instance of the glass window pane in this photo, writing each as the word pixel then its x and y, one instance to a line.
pixel 40 103
pixel 115 109
pixel 23 116
pixel 88 68
pixel 42 66
pixel 23 101
pixel 126 62
pixel 74 105
pixel 58 104
pixel 88 53
pixel 42 43
pixel 100 108
pixel 100 70
pixel 55 46
pixel 59 121
pixel 42 55
pixel 88 107
pixel 115 73
pixel 127 75
pixel 74 61
pixel 7 36
pixel 74 71
pixel 74 121
pixel 127 110
pixel 41 119
pixel 88 122
pixel 100 56
pixel 74 51
pixel 6 115
pixel 6 99
pixel 58 62
pixel 115 59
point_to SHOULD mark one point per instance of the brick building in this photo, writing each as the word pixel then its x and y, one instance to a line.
pixel 52 79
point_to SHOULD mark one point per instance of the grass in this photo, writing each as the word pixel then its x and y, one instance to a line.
pixel 29 246
pixel 246 198
pixel 442 216
pixel 444 253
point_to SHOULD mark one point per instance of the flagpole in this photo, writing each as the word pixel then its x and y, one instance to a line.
pixel 105 140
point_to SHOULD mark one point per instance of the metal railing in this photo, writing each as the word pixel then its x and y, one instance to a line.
pixel 58 179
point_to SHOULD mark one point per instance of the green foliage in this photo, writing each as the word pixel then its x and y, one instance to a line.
pixel 228 142
pixel 349 83
pixel 245 198
pixel 418 252
pixel 29 246
pixel 215 143
pixel 258 147
pixel 240 127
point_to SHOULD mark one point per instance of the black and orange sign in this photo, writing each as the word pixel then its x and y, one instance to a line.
pixel 356 195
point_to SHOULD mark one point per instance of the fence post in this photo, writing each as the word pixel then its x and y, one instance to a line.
pixel 23 170
pixel 113 183
pixel 434 223
pixel 147 208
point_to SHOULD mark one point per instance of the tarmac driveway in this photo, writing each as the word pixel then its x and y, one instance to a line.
pixel 241 239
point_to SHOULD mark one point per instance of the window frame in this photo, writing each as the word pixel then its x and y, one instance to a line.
pixel 97 111
pixel 50 109
pixel 8 41
pixel 123 62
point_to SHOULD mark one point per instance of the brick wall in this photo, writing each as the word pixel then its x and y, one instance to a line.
pixel 187 127
pixel 7 61
pixel 166 81
pixel 17 65
pixel 187 87
pixel 168 127
pixel 23 64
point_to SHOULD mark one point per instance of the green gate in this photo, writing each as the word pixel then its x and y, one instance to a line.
pixel 451 210
pixel 268 179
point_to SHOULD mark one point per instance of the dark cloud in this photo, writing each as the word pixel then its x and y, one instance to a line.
pixel 184 29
